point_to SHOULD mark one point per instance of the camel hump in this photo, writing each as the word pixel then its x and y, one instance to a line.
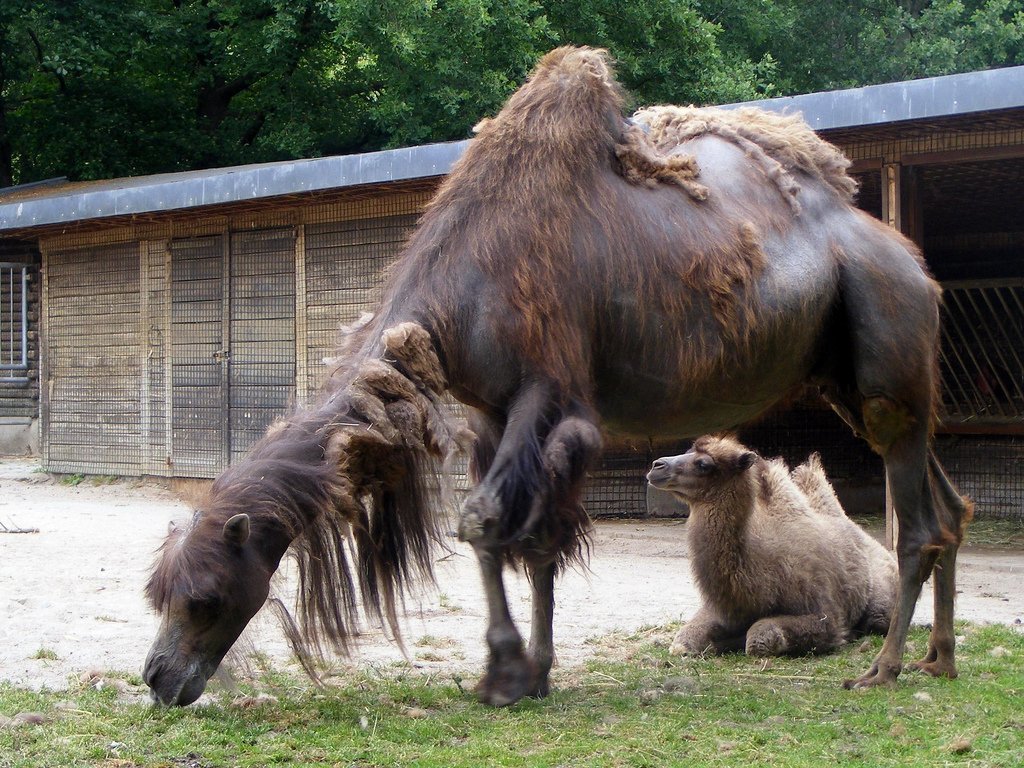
pixel 569 60
pixel 811 479
pixel 781 143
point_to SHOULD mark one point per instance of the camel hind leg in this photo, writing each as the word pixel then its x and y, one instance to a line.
pixel 887 395
pixel 939 660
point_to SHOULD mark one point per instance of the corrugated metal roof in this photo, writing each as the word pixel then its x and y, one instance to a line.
pixel 77 201
pixel 20 208
pixel 931 97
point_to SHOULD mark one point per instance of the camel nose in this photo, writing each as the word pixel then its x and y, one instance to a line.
pixel 659 464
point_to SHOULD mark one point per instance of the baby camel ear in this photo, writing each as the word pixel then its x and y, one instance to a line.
pixel 746 460
pixel 236 530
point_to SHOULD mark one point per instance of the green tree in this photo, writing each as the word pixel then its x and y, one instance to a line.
pixel 101 88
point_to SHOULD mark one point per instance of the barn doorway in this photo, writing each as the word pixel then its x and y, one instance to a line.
pixel 232 344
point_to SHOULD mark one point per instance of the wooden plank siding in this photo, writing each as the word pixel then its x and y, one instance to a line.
pixel 92 409
pixel 262 311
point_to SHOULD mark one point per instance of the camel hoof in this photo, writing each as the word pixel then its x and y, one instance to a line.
pixel 766 640
pixel 878 675
pixel 504 685
pixel 935 668
pixel 541 689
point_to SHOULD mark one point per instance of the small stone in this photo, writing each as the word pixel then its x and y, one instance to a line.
pixel 898 730
pixel 960 746
pixel 252 702
pixel 680 684
pixel 650 696
pixel 999 652
pixel 90 676
pixel 415 713
pixel 865 647
pixel 28 718
pixel 923 696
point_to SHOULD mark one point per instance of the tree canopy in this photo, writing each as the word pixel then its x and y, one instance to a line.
pixel 103 88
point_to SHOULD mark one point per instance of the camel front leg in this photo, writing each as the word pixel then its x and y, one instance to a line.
pixel 542 646
pixel 528 507
pixel 510 673
pixel 706 633
pixel 507 463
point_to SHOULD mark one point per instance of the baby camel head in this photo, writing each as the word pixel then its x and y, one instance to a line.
pixel 710 467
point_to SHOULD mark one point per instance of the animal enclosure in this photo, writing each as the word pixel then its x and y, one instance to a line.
pixel 235 306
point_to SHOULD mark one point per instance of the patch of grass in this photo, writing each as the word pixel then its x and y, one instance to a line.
pixel 998 533
pixel 990 532
pixel 637 707
pixel 445 603
pixel 72 480
pixel 45 654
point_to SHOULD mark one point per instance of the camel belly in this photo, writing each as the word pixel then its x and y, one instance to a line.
pixel 645 388
pixel 648 404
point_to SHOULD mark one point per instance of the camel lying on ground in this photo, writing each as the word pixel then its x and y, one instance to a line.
pixel 780 567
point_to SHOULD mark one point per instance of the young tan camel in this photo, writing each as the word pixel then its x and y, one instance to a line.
pixel 780 567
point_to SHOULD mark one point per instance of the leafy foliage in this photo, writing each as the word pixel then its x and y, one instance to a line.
pixel 100 88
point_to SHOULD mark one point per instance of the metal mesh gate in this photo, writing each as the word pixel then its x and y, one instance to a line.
pixel 261 365
pixel 345 264
pixel 983 353
pixel 13 321
pixel 232 343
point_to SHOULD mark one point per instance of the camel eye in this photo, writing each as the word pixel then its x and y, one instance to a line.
pixel 704 466
pixel 204 607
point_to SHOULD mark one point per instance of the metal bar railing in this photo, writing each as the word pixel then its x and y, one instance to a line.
pixel 14 324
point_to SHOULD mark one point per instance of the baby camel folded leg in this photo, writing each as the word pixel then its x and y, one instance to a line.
pixel 794 635
pixel 706 633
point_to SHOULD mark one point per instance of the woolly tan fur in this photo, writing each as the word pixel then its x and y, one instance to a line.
pixel 779 566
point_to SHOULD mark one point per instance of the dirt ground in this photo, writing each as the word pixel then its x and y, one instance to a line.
pixel 71 594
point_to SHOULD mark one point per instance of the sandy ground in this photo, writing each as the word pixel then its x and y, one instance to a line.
pixel 73 590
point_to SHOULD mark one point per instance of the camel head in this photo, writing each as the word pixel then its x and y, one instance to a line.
pixel 712 466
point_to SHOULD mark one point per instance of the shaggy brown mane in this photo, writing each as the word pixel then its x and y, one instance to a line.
pixel 355 483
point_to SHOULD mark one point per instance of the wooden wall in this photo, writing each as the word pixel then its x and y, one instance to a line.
pixel 171 347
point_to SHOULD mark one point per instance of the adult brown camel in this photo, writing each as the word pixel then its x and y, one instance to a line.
pixel 671 275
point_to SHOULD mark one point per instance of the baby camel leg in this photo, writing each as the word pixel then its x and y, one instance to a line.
pixel 705 633
pixel 811 633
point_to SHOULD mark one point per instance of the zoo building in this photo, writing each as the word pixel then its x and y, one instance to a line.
pixel 156 325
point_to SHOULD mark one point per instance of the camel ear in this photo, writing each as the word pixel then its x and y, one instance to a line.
pixel 236 530
pixel 746 460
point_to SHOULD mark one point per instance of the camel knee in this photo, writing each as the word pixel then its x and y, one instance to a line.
pixel 886 422
pixel 480 516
